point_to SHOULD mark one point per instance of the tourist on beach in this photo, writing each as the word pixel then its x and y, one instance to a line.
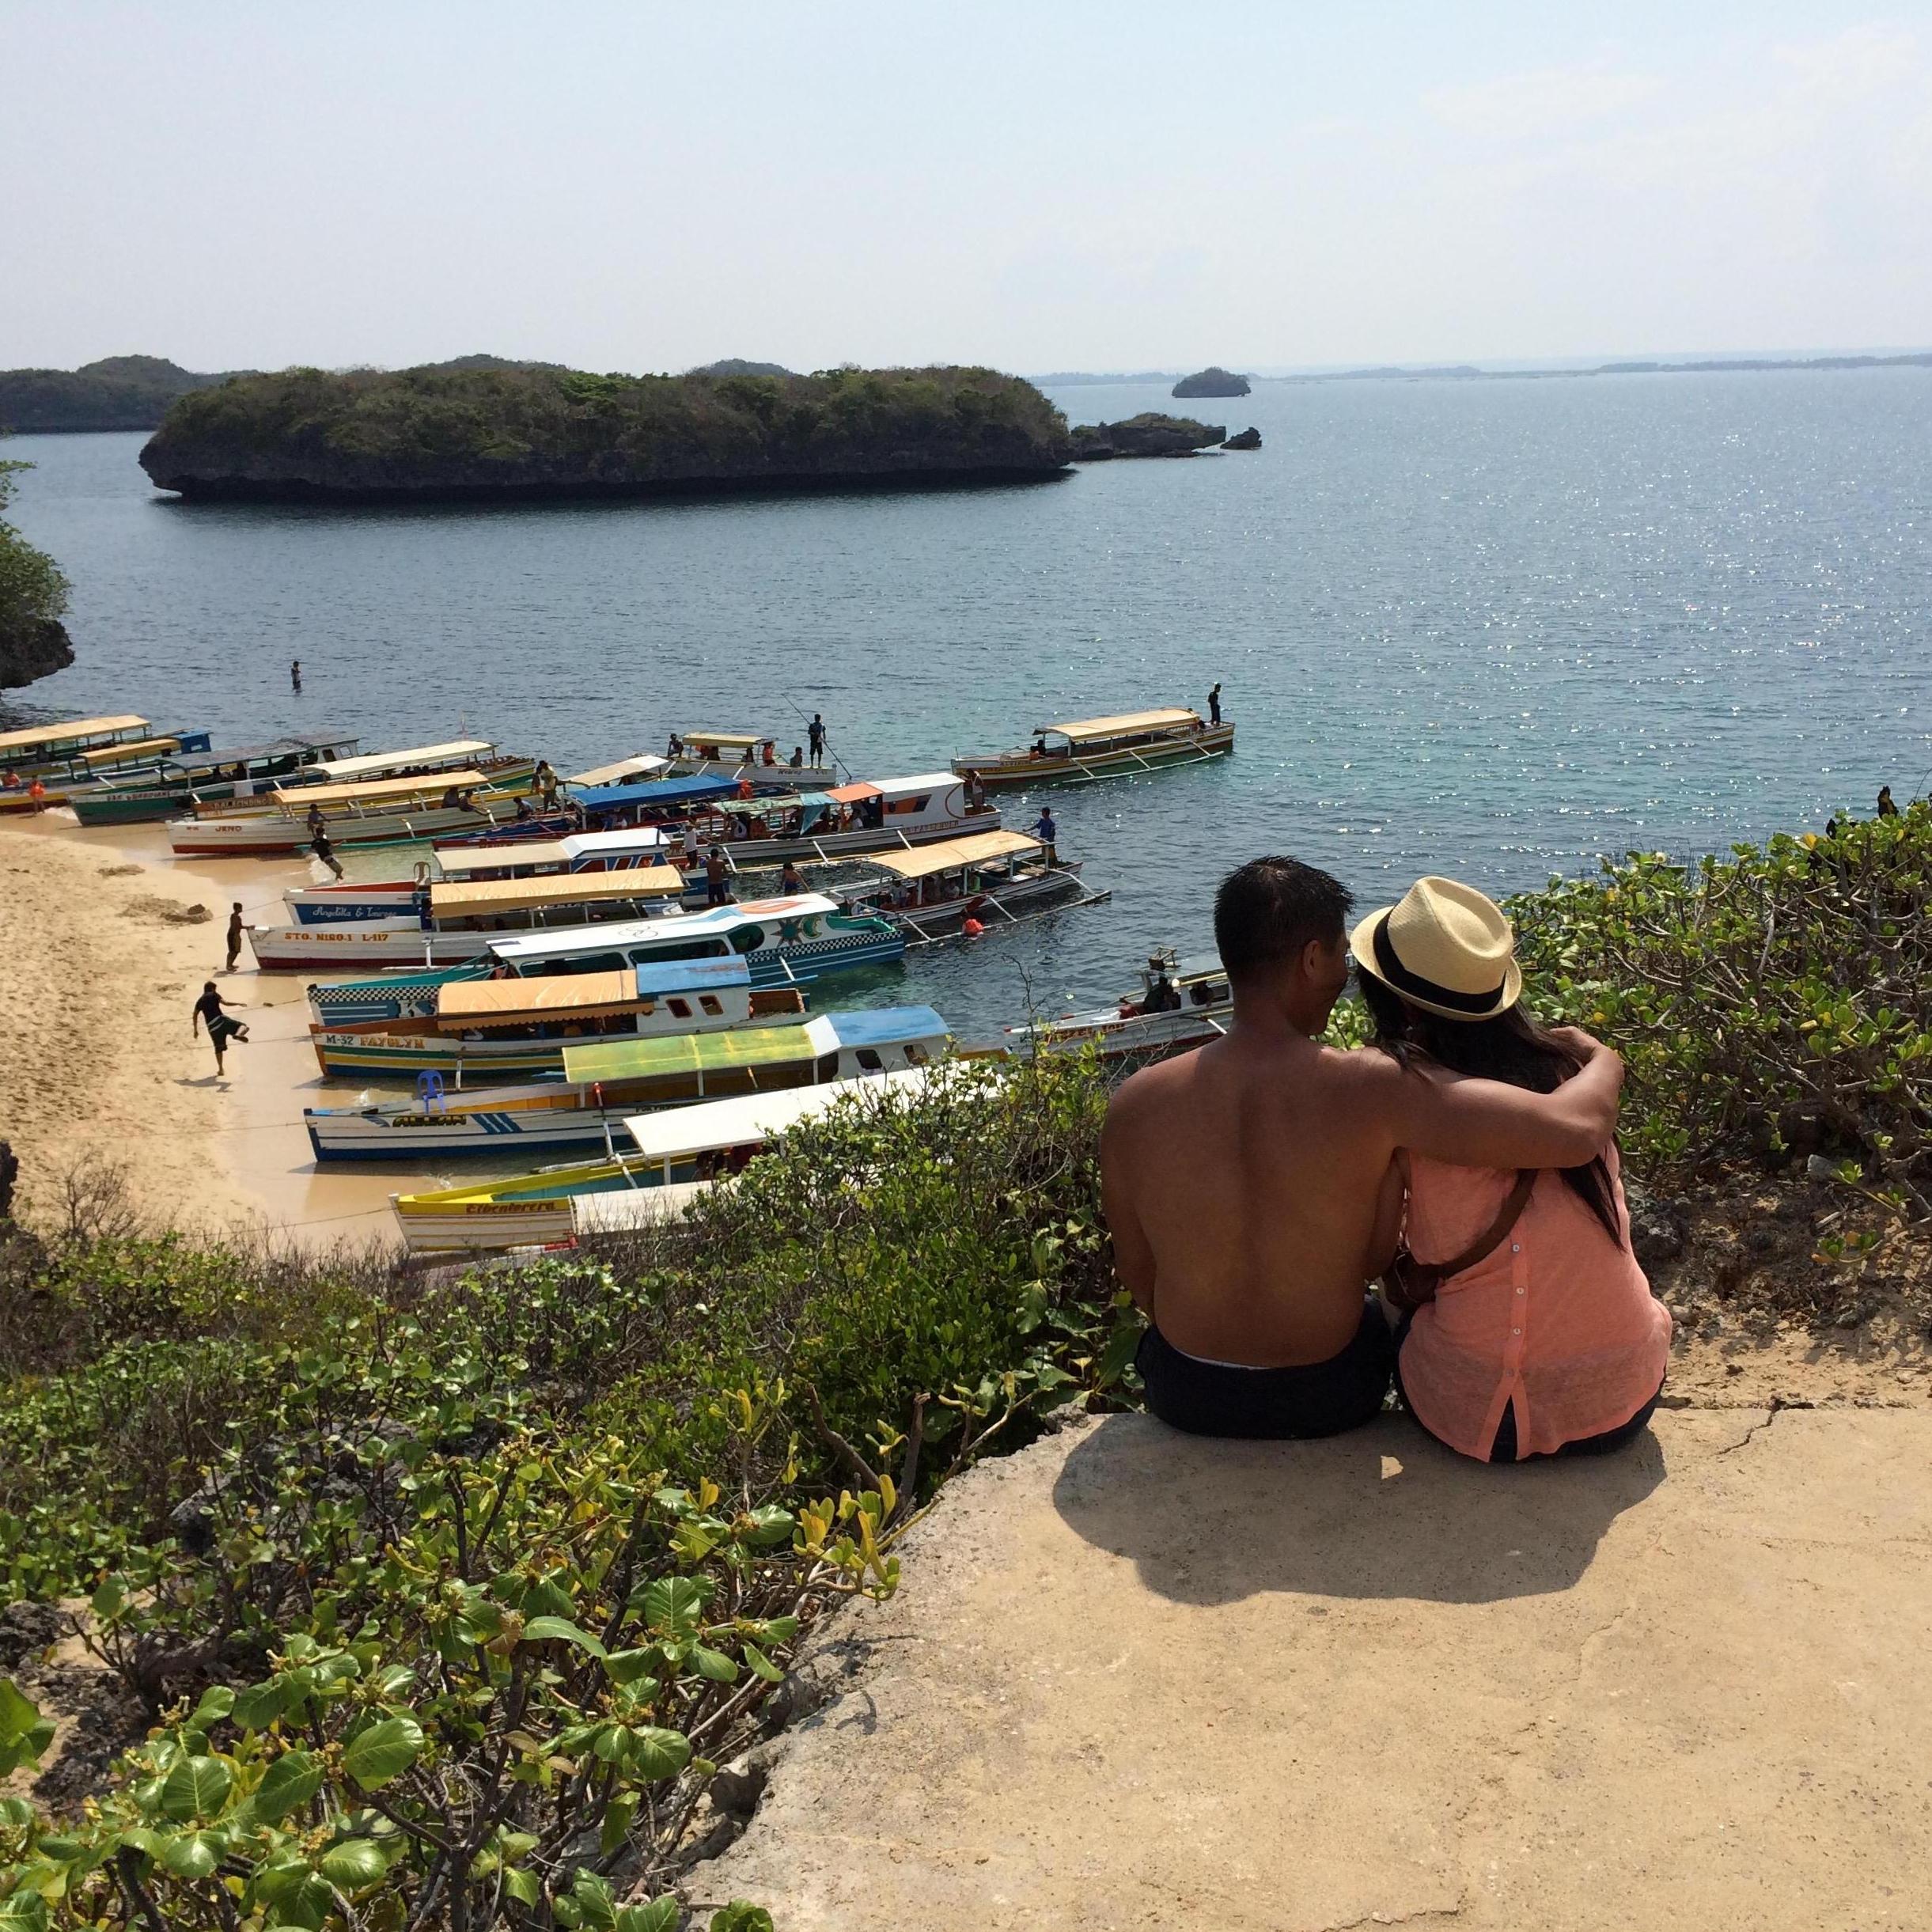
pixel 1241 1182
pixel 791 879
pixel 323 850
pixel 295 674
pixel 1213 704
pixel 1048 833
pixel 1886 808
pixel 235 929
pixel 717 882
pixel 1527 1328
pixel 815 733
pixel 222 1029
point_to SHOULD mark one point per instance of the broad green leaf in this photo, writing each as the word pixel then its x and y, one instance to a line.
pixel 290 1782
pixel 674 1605
pixel 545 1629
pixel 523 1886
pixel 740 1917
pixel 23 1911
pixel 715 1665
pixel 627 1666
pixel 654 1752
pixel 617 1818
pixel 384 1752
pixel 196 1788
pixel 15 1814
pixel 259 1705
pixel 763 1664
pixel 353 1863
pixel 661 1916
pixel 216 1703
pixel 193 1855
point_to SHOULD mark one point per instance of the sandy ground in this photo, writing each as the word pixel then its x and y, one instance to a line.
pixel 1141 1680
pixel 99 972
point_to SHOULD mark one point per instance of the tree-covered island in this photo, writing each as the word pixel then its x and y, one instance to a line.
pixel 532 432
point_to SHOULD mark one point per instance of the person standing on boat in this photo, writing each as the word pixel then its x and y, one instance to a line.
pixel 791 880
pixel 815 734
pixel 222 1029
pixel 717 882
pixel 1213 704
pixel 1048 833
pixel 235 929
pixel 545 780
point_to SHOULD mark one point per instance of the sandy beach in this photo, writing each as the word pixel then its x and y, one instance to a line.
pixel 102 955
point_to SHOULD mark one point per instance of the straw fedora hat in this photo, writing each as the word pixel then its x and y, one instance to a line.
pixel 1443 947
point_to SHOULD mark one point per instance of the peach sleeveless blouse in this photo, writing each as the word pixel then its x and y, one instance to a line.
pixel 1555 1320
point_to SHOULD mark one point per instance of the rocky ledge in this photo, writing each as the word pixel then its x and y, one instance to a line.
pixel 36 648
pixel 532 432
pixel 1150 434
pixel 1214 381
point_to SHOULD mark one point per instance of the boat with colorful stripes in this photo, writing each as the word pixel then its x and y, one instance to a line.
pixel 664 1161
pixel 790 940
pixel 605 1080
pixel 517 1030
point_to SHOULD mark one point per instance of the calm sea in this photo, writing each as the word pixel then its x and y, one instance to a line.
pixel 1493 629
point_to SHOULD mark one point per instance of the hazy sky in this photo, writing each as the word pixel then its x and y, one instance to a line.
pixel 1040 187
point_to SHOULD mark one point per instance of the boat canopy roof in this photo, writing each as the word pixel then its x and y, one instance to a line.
pixel 463 858
pixel 1203 965
pixel 300 797
pixel 51 736
pixel 659 792
pixel 920 781
pixel 725 737
pixel 472 899
pixel 698 1053
pixel 501 1003
pixel 290 747
pixel 886 1026
pixel 669 977
pixel 748 1118
pixel 1081 729
pixel 521 948
pixel 372 764
pixel 981 849
pixel 128 749
pixel 619 769
pixel 853 794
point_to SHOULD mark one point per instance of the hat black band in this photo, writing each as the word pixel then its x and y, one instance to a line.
pixel 1477 1005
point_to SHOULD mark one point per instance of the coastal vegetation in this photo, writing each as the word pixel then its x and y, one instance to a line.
pixel 1213 381
pixel 33 599
pixel 534 431
pixel 465 1601
pixel 118 392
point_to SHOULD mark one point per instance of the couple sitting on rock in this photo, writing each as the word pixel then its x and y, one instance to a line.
pixel 1467 1157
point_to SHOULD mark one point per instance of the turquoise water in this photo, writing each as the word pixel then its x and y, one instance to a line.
pixel 1493 630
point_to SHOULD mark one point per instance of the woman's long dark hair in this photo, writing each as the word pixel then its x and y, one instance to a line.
pixel 1510 1048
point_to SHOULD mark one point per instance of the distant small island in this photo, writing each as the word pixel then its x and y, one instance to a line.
pixel 1149 434
pixel 118 392
pixel 534 431
pixel 1211 382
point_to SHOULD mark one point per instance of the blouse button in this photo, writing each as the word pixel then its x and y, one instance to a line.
pixel 1522 1291
pixel 1516 1332
pixel 1516 1248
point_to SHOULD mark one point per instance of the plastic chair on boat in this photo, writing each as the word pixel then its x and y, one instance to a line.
pixel 430 1095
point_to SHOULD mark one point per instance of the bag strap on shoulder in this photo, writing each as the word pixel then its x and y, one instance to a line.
pixel 1411 1282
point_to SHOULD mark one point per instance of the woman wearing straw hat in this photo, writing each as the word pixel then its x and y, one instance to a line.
pixel 1529 1329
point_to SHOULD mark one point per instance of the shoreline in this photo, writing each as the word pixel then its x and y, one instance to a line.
pixel 99 972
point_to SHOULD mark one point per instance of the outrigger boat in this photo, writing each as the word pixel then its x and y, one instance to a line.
pixel 1179 1005
pixel 195 779
pixel 530 859
pixel 1103 747
pixel 993 877
pixel 603 1081
pixel 674 1157
pixel 397 811
pixel 743 755
pixel 786 942
pixel 52 752
pixel 461 921
pixel 505 1030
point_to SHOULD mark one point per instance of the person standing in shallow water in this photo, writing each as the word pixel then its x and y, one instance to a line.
pixel 222 1029
pixel 295 675
pixel 235 928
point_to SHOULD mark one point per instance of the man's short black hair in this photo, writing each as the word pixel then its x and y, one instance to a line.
pixel 1269 909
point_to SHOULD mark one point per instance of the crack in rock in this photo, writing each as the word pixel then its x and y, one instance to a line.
pixel 1418 1917
pixel 1756 1429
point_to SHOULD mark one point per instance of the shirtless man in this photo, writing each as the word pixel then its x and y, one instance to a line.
pixel 1240 1181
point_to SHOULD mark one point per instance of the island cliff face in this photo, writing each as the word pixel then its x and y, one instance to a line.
pixel 33 647
pixel 1212 381
pixel 534 432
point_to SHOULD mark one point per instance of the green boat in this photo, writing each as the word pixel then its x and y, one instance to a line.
pixel 176 784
